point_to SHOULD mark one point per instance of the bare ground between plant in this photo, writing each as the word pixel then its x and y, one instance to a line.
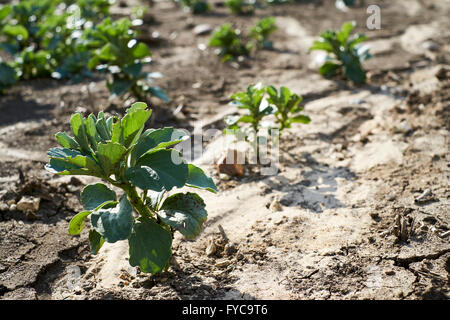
pixel 339 220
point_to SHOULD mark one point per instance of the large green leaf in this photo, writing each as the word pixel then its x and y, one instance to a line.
pixel 329 69
pixel 150 246
pixel 145 178
pixel 5 10
pixel 170 167
pixel 116 133
pixel 95 240
pixel 16 31
pixel 106 52
pixel 246 119
pixel 141 51
pixel 355 73
pixel 133 124
pixel 357 39
pixel 158 139
pixel 159 93
pixel 8 76
pixel 79 131
pixel 94 195
pixel 133 70
pixel 300 119
pixel 91 132
pixel 114 224
pixel 67 141
pixel 109 155
pixel 198 179
pixel 119 86
pixel 343 34
pixel 62 167
pixel 136 106
pixel 76 225
pixel 102 128
pixel 321 45
pixel 184 212
pixel 74 157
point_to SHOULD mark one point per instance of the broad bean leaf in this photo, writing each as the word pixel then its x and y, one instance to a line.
pixel 329 69
pixel 133 124
pixel 159 93
pixel 76 225
pixel 150 246
pixel 184 212
pixel 94 195
pixel 157 139
pixel 79 131
pixel 169 166
pixel 198 179
pixel 96 241
pixel 67 141
pixel 109 155
pixel 114 224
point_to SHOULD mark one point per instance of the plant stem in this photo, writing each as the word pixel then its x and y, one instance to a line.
pixel 255 129
pixel 137 203
pixel 134 198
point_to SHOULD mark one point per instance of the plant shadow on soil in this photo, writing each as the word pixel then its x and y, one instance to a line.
pixel 183 283
pixel 315 191
pixel 29 110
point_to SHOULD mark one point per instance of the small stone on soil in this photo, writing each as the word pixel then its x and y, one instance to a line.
pixel 202 29
pixel 222 263
pixel 28 204
pixel 389 272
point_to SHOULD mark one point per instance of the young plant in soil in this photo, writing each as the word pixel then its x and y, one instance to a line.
pixel 229 42
pixel 241 7
pixel 283 105
pixel 117 151
pixel 61 38
pixel 250 100
pixel 287 106
pixel 42 36
pixel 196 6
pixel 233 44
pixel 261 32
pixel 344 53
pixel 123 58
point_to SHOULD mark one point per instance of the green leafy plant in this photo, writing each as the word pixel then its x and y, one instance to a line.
pixel 250 100
pixel 344 4
pixel 8 76
pixel 123 58
pixel 196 6
pixel 93 10
pixel 278 2
pixel 229 42
pixel 40 37
pixel 287 106
pixel 241 7
pixel 232 43
pixel 69 38
pixel 283 105
pixel 262 30
pixel 34 64
pixel 343 53
pixel 119 152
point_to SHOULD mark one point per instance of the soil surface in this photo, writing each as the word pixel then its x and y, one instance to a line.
pixel 340 219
